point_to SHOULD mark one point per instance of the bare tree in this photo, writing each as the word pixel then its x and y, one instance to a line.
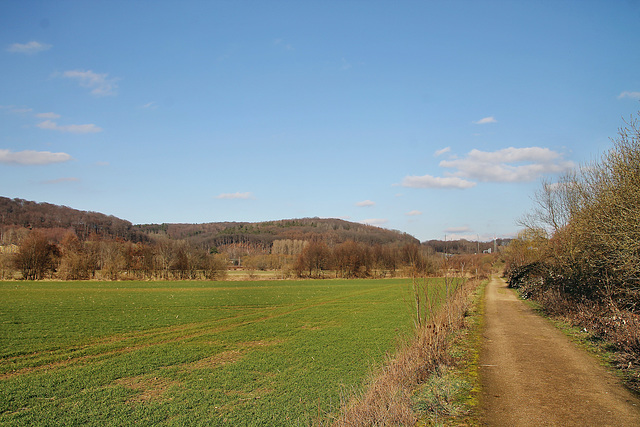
pixel 36 256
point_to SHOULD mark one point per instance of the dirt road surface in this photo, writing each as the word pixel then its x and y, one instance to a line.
pixel 533 375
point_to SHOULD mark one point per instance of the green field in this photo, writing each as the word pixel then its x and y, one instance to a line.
pixel 192 353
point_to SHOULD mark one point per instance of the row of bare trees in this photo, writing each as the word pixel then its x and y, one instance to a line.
pixel 353 259
pixel 37 257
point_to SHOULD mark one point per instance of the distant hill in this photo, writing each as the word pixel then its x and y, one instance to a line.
pixel 463 246
pixel 33 215
pixel 263 234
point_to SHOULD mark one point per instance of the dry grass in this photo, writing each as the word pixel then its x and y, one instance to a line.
pixel 148 388
pixel 388 398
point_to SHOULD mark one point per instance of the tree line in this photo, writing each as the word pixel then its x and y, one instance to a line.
pixel 45 254
pixel 38 256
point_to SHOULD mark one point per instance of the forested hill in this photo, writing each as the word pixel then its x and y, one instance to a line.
pixel 18 213
pixel 263 234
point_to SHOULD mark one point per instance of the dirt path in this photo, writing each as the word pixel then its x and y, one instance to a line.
pixel 533 375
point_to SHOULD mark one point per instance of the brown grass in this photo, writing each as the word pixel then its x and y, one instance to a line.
pixel 149 388
pixel 387 400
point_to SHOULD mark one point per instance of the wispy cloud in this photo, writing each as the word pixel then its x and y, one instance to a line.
pixel 48 116
pixel 462 229
pixel 428 181
pixel 29 48
pixel 442 151
pixel 17 110
pixel 486 120
pixel 508 165
pixel 378 222
pixel 633 95
pixel 238 195
pixel 413 213
pixel 283 43
pixel 150 106
pixel 61 180
pixel 51 125
pixel 365 204
pixel 100 84
pixel 32 158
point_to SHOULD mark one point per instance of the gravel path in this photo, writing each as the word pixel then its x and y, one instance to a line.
pixel 533 375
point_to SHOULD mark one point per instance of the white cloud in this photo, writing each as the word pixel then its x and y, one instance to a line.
pixel 378 222
pixel 30 157
pixel 441 152
pixel 100 84
pixel 150 105
pixel 463 229
pixel 413 213
pixel 48 116
pixel 61 180
pixel 633 95
pixel 365 204
pixel 508 165
pixel 51 125
pixel 428 181
pixel 238 195
pixel 28 48
pixel 17 110
pixel 486 120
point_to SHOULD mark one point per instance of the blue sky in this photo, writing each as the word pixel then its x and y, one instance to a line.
pixel 434 118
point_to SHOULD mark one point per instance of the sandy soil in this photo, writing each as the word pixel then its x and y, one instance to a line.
pixel 533 375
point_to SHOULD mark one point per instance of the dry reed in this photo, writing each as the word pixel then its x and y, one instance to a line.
pixel 387 400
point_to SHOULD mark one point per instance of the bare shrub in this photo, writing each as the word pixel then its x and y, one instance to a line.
pixel 584 266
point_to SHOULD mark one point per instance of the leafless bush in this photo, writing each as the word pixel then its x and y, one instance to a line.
pixel 580 254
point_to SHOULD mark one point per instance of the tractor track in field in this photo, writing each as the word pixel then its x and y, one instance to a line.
pixel 65 357
pixel 533 375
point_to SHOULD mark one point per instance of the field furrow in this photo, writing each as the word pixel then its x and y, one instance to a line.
pixel 263 350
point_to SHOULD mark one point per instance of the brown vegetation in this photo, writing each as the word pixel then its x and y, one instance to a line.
pixel 387 400
pixel 78 245
pixel 580 252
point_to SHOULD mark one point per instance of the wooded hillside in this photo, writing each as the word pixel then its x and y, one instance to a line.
pixel 19 213
pixel 58 220
pixel 261 235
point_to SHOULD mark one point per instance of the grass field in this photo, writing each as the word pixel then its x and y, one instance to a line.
pixel 192 353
